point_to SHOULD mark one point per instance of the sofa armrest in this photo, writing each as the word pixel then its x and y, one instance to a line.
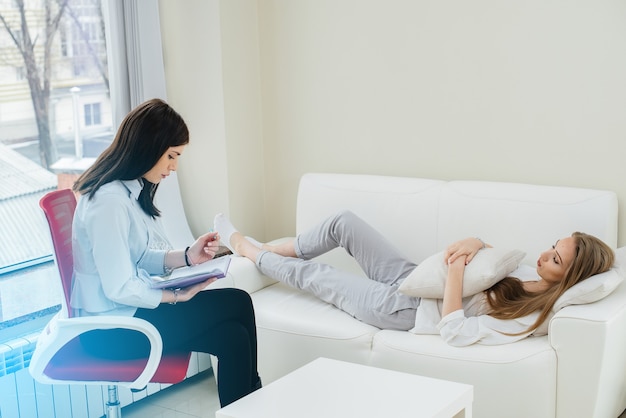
pixel 590 343
pixel 243 274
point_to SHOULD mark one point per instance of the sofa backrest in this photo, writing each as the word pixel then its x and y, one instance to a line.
pixel 422 216
pixel 524 216
pixel 404 210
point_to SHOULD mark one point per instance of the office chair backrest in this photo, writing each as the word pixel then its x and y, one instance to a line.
pixel 59 206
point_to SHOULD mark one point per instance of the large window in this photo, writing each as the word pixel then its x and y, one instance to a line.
pixel 55 112
pixel 59 108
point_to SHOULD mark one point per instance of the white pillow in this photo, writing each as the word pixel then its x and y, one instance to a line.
pixel 620 261
pixel 589 290
pixel 489 266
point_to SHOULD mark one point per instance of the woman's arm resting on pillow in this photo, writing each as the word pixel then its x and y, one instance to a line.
pixel 453 292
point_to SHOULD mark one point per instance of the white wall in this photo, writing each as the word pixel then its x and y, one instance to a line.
pixel 523 91
pixel 213 81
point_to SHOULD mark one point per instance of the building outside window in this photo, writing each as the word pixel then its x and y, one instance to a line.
pixel 55 119
pixel 49 132
pixel 92 114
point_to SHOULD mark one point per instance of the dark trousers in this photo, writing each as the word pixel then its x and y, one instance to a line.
pixel 220 322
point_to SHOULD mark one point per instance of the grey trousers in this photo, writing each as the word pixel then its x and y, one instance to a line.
pixel 374 299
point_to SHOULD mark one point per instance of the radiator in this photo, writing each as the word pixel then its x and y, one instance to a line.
pixel 22 397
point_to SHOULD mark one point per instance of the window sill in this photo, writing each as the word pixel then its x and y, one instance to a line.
pixel 28 299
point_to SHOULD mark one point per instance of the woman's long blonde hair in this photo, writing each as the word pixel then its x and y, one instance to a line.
pixel 508 299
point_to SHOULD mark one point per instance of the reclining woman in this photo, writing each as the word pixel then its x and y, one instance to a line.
pixel 508 311
pixel 119 242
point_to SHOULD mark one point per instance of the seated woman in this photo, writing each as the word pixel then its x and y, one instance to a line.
pixel 508 311
pixel 118 242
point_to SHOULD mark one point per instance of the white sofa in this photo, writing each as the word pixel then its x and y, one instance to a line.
pixel 578 370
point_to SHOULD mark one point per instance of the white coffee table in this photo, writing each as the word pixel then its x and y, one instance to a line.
pixel 328 388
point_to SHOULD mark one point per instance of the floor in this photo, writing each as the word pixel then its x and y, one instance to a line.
pixel 196 397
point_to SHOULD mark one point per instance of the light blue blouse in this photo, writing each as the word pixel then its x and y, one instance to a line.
pixel 116 248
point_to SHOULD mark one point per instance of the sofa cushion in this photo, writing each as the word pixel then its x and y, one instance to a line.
pixel 531 363
pixel 281 307
pixel 488 266
pixel 300 327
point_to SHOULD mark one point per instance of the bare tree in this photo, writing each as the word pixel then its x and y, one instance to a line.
pixel 99 62
pixel 37 59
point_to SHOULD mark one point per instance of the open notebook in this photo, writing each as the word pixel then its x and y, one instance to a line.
pixel 187 276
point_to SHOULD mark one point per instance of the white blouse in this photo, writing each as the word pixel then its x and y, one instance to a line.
pixel 116 248
pixel 471 325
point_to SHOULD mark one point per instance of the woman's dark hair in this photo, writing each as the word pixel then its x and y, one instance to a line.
pixel 144 135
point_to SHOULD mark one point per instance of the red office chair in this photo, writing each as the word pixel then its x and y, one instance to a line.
pixel 60 358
